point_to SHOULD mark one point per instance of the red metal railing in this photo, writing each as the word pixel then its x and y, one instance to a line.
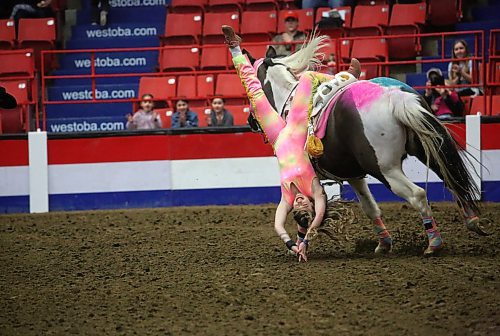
pixel 479 60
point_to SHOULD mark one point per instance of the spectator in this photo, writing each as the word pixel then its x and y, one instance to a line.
pixel 290 34
pixel 462 75
pixel 219 116
pixel 146 117
pixel 31 9
pixel 7 101
pixel 183 116
pixel 306 4
pixel 100 10
pixel 445 103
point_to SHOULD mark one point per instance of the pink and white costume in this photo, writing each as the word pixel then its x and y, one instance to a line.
pixel 288 139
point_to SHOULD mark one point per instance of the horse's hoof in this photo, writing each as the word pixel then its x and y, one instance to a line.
pixel 477 225
pixel 383 247
pixel 433 251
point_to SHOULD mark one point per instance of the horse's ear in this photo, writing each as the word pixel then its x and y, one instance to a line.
pixel 250 58
pixel 271 52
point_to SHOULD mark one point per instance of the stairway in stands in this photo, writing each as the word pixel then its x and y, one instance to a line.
pixel 131 24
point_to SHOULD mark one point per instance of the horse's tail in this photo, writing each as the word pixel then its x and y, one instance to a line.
pixel 434 146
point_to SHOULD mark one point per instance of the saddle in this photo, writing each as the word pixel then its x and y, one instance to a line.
pixel 324 95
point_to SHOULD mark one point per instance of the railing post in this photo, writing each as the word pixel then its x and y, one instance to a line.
pixel 473 148
pixel 38 172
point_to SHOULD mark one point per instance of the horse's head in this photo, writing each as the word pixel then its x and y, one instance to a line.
pixel 279 75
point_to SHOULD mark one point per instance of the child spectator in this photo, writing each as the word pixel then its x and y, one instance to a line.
pixel 219 116
pixel 290 34
pixel 460 72
pixel 183 116
pixel 445 103
pixel 146 117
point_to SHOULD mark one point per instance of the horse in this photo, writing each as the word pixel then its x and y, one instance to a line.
pixel 372 126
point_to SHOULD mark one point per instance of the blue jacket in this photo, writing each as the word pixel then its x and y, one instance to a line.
pixel 191 119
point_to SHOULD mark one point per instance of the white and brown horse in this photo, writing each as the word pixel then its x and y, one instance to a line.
pixel 371 128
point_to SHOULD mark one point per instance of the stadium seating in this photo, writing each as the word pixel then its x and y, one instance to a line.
pixel 369 20
pixel 187 6
pixel 406 19
pixel 215 57
pixel 240 114
pixel 225 5
pixel 263 31
pixel 344 11
pixel 7 34
pixel 165 116
pixel 443 12
pixel 182 28
pixel 195 88
pixel 174 58
pixel 38 34
pixel 229 86
pixel 162 88
pixel 17 63
pixel 262 5
pixel 256 50
pixel 213 22
pixel 306 19
pixel 203 115
pixel 370 50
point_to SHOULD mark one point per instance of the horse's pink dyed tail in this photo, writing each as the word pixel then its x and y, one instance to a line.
pixel 433 145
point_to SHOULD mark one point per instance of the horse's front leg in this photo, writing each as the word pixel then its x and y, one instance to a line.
pixel 371 209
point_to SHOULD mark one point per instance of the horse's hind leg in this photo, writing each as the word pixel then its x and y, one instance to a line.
pixel 371 209
pixel 417 197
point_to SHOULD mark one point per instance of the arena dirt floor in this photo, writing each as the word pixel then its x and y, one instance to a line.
pixel 222 271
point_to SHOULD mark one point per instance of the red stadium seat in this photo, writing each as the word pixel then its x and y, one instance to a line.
pixel 11 121
pixel 406 19
pixel 175 58
pixel 370 50
pixel 256 50
pixel 372 2
pixel 182 29
pixel 258 26
pixel 165 116
pixel 187 6
pixel 240 114
pixel 369 20
pixel 20 89
pixel 477 105
pixel 262 5
pixel 495 106
pixel 306 19
pixel 212 26
pixel 344 11
pixel 205 85
pixel 38 34
pixel 225 5
pixel 215 57
pixel 17 63
pixel 162 88
pixel 195 88
pixel 229 86
pixel 443 12
pixel 7 34
pixel 203 115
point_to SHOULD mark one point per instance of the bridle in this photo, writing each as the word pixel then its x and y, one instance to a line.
pixel 269 62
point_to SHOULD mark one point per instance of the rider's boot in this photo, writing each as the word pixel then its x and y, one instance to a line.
pixel 230 37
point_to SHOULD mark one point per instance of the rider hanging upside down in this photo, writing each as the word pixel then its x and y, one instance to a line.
pixel 300 187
